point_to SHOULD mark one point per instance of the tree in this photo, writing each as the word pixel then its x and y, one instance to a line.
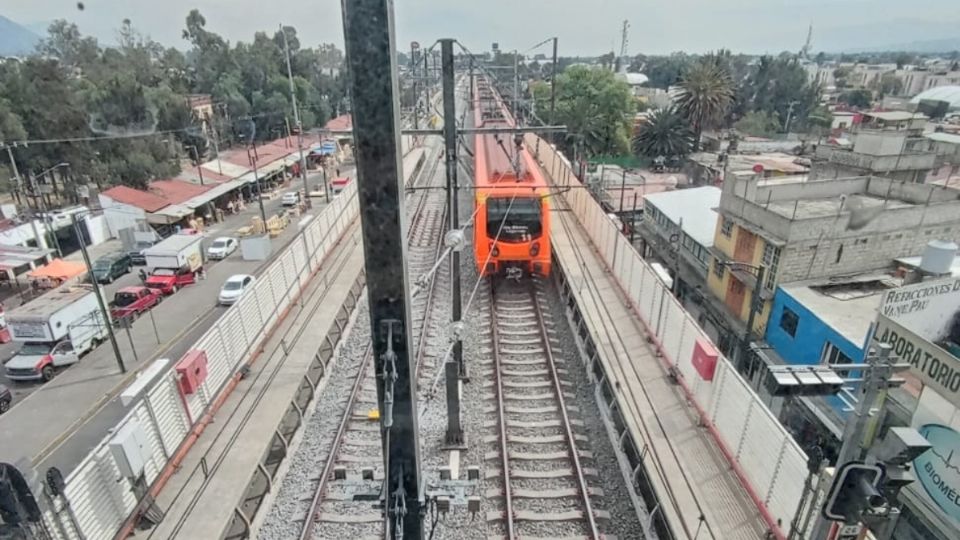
pixel 840 76
pixel 758 124
pixel 606 60
pixel 595 106
pixel 887 85
pixel 904 58
pixel 665 71
pixel 666 133
pixel 706 93
pixel 860 99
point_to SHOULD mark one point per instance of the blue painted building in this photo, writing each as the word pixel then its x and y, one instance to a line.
pixel 823 324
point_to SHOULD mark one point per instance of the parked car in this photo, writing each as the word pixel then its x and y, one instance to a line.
pixel 136 253
pixel 6 398
pixel 291 199
pixel 234 288
pixel 222 247
pixel 132 301
pixel 110 267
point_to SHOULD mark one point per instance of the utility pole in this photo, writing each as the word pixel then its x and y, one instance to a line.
pixel 16 174
pixel 454 429
pixel 786 127
pixel 296 119
pixel 368 30
pixel 99 294
pixel 414 46
pixel 43 212
pixel 876 378
pixel 426 90
pixel 553 85
pixel 756 303
pixel 196 154
pixel 623 187
pixel 256 180
pixel 516 84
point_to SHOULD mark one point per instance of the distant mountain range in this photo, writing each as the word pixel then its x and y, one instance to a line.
pixel 15 39
pixel 923 46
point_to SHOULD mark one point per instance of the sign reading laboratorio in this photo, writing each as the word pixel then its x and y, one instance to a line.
pixel 913 320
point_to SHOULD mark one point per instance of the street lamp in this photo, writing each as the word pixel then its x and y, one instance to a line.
pixel 755 306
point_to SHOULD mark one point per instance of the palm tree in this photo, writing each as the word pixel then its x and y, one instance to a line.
pixel 666 133
pixel 706 93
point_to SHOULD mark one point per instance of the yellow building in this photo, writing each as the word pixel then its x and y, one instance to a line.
pixel 734 284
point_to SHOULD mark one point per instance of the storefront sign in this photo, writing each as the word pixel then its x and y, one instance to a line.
pixel 914 319
pixel 932 365
pixel 938 469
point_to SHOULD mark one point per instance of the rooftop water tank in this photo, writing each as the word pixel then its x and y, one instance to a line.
pixel 938 257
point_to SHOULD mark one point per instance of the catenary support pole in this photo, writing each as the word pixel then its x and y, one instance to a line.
pixel 368 30
pixel 99 294
pixel 454 429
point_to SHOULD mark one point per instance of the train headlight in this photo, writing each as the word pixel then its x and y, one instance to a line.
pixel 495 252
pixel 534 249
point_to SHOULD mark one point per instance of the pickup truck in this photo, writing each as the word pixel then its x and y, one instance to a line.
pixel 132 301
pixel 175 262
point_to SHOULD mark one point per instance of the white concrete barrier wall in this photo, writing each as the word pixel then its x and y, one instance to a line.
pixel 100 498
pixel 773 463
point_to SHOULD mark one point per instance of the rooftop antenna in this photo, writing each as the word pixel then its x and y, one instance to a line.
pixel 624 40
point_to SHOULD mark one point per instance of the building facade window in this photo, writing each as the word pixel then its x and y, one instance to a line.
pixel 789 321
pixel 833 355
pixel 718 269
pixel 771 261
pixel 726 227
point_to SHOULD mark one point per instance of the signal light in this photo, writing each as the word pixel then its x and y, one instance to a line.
pixel 855 490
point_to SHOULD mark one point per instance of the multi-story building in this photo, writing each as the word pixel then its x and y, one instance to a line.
pixel 889 143
pixel 678 227
pixel 802 230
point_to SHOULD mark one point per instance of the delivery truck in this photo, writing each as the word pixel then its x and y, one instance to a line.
pixel 174 262
pixel 54 331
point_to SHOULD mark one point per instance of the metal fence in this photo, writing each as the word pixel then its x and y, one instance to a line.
pixel 97 498
pixel 752 437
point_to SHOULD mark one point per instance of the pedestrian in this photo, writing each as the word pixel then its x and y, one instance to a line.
pixel 201 273
pixel 338 173
pixel 143 276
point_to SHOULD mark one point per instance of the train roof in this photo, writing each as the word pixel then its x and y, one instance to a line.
pixel 498 158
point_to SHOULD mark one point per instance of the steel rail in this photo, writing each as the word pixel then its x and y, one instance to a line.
pixel 306 532
pixel 565 417
pixel 501 416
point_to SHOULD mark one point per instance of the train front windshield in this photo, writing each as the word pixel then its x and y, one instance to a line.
pixel 521 218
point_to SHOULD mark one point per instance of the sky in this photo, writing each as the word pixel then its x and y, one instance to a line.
pixel 584 27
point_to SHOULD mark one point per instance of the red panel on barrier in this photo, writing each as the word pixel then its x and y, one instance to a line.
pixel 191 371
pixel 705 358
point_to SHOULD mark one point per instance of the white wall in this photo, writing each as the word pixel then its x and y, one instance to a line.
pixel 98 227
pixel 120 215
pixel 23 233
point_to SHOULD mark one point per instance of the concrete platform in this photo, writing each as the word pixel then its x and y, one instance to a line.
pixel 687 470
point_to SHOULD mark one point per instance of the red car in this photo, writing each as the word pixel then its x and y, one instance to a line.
pixel 169 281
pixel 132 301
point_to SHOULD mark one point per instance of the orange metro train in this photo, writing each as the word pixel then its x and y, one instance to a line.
pixel 512 224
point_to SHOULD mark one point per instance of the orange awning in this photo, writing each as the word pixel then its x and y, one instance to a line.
pixel 58 269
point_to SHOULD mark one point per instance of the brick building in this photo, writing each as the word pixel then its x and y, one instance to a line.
pixel 807 229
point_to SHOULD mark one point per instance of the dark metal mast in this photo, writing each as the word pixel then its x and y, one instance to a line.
pixel 370 44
